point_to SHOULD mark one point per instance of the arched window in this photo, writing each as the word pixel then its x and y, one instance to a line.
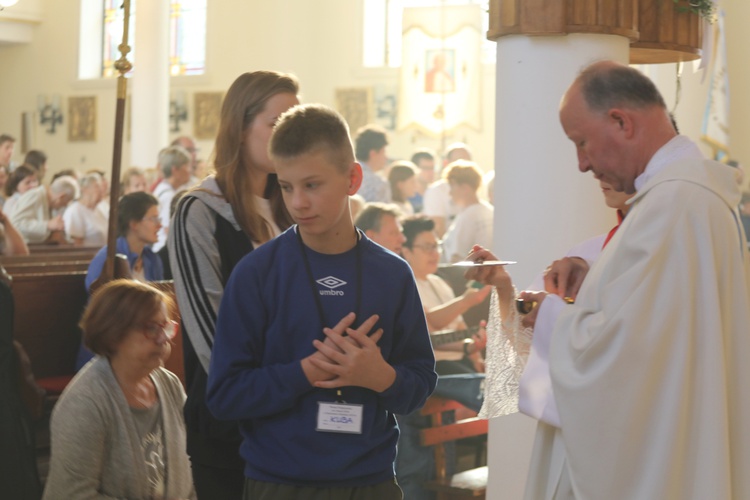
pixel 187 37
pixel 382 30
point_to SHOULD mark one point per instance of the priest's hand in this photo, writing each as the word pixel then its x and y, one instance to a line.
pixel 496 276
pixel 564 277
pixel 536 298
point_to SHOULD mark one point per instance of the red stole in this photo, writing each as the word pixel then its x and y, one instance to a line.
pixel 620 217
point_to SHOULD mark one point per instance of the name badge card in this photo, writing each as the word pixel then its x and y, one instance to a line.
pixel 339 417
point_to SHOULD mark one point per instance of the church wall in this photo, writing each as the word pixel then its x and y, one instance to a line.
pixel 320 42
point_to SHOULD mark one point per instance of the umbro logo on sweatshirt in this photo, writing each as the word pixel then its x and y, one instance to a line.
pixel 331 282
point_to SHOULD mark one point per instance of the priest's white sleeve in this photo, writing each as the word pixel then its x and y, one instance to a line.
pixel 535 386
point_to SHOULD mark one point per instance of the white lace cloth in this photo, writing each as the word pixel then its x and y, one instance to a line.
pixel 508 346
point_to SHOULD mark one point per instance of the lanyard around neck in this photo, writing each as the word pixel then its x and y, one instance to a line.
pixel 316 295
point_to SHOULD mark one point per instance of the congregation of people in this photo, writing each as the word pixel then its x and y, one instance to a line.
pixel 311 273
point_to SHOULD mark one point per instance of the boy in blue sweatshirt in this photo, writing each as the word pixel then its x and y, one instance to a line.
pixel 321 337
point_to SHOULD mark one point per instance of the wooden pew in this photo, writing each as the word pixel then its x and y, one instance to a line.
pixel 49 298
pixel 68 266
pixel 48 306
pixel 463 485
pixel 46 248
pixel 47 257
pixel 55 262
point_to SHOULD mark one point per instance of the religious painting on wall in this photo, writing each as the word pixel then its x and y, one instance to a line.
pixel 207 106
pixel 355 105
pixel 82 119
pixel 385 99
pixel 440 84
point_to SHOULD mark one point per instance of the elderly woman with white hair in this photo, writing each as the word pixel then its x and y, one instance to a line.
pixel 33 213
pixel 84 224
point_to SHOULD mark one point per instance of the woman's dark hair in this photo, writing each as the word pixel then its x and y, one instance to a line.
pixel 414 226
pixel 133 207
pixel 20 173
pixel 115 309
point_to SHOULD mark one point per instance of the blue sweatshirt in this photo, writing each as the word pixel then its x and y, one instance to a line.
pixel 267 321
pixel 153 269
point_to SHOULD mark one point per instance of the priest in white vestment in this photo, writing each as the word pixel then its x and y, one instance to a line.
pixel 641 388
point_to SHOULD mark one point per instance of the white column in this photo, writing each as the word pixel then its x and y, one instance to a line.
pixel 150 83
pixel 543 204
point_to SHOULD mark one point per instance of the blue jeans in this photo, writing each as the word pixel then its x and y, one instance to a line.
pixel 415 464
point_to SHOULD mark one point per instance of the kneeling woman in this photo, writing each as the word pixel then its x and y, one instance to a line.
pixel 117 430
pixel 138 227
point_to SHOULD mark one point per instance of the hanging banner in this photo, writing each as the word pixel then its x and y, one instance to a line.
pixel 440 84
pixel 715 130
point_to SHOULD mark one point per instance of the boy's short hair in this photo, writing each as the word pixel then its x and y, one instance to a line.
pixel 311 128
pixel 464 172
pixel 6 138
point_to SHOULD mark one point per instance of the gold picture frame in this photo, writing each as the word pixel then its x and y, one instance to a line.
pixel 207 106
pixel 356 106
pixel 82 119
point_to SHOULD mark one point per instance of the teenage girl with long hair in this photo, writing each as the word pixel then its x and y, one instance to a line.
pixel 231 212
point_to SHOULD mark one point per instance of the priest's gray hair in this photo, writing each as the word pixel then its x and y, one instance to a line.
pixel 616 86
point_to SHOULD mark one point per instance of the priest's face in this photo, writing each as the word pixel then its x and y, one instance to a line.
pixel 615 199
pixel 599 141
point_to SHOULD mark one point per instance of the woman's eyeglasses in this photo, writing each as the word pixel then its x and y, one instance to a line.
pixel 153 330
pixel 154 218
pixel 428 247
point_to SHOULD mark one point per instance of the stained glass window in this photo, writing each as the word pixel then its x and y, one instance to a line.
pixel 187 37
